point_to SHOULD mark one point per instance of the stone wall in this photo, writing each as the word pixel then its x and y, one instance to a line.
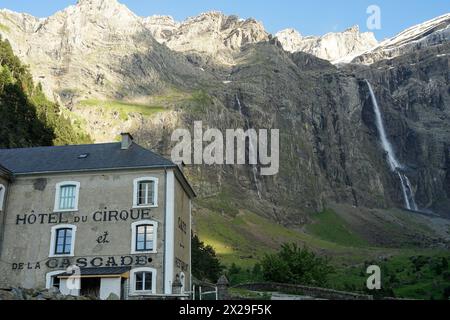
pixel 36 294
pixel 304 290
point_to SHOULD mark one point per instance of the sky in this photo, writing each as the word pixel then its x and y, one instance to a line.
pixel 312 17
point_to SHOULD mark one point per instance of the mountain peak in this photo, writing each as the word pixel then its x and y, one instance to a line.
pixel 104 12
pixel 353 29
pixel 335 46
pixel 97 2
pixel 100 5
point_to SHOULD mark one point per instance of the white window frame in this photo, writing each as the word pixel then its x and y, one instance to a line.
pixel 58 195
pixel 53 240
pixel 49 276
pixel 136 191
pixel 134 227
pixel 2 196
pixel 133 290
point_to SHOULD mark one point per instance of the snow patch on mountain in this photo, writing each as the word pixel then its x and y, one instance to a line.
pixel 430 33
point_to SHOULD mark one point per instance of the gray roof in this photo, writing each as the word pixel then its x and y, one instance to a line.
pixel 88 157
pixel 5 172
pixel 107 271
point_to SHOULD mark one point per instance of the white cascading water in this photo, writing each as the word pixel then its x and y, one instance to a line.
pixel 252 148
pixel 408 193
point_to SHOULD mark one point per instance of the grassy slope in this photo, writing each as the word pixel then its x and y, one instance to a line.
pixel 329 226
pixel 168 100
pixel 244 237
pixel 124 108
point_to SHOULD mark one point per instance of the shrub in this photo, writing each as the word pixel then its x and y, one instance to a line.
pixel 296 265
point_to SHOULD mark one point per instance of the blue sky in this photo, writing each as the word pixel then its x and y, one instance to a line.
pixel 312 17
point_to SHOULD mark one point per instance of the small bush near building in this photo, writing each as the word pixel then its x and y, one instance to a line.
pixel 295 265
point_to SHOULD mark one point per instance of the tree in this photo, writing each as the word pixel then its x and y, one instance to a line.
pixel 205 264
pixel 27 117
pixel 5 77
pixel 296 265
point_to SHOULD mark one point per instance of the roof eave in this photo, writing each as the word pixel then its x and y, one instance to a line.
pixel 180 175
pixel 93 170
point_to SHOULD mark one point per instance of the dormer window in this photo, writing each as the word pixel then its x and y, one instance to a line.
pixel 67 194
pixel 145 193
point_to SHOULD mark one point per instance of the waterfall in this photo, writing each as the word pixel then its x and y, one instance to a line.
pixel 396 167
pixel 252 149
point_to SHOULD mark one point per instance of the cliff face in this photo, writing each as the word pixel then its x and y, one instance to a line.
pixel 327 152
pixel 430 33
pixel 95 49
pixel 336 47
pixel 413 91
pixel 116 71
pixel 212 35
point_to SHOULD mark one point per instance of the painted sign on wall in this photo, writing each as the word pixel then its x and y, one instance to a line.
pixel 85 262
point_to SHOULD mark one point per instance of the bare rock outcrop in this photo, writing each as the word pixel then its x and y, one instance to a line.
pixel 335 47
pixel 212 34
pixel 431 33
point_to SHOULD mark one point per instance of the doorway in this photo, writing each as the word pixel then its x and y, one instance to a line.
pixel 90 287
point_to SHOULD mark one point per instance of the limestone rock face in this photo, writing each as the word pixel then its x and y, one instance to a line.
pixel 230 73
pixel 95 49
pixel 335 47
pixel 430 33
pixel 161 27
pixel 414 93
pixel 212 34
pixel 290 39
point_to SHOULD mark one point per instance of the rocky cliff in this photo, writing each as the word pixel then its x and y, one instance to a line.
pixel 430 33
pixel 336 47
pixel 95 49
pixel 211 35
pixel 413 91
pixel 117 71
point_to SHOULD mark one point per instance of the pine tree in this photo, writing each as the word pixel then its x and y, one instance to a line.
pixel 27 117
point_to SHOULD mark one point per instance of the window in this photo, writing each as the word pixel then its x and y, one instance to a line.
pixel 55 282
pixel 62 241
pixel 144 236
pixel 145 194
pixel 67 196
pixel 146 191
pixel 52 280
pixel 2 196
pixel 143 281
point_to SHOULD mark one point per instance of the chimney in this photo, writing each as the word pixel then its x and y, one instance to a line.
pixel 127 141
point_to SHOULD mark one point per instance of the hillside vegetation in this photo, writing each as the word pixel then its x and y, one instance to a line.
pixel 242 239
pixel 27 117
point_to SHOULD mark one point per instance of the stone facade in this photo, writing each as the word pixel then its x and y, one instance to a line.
pixel 102 235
